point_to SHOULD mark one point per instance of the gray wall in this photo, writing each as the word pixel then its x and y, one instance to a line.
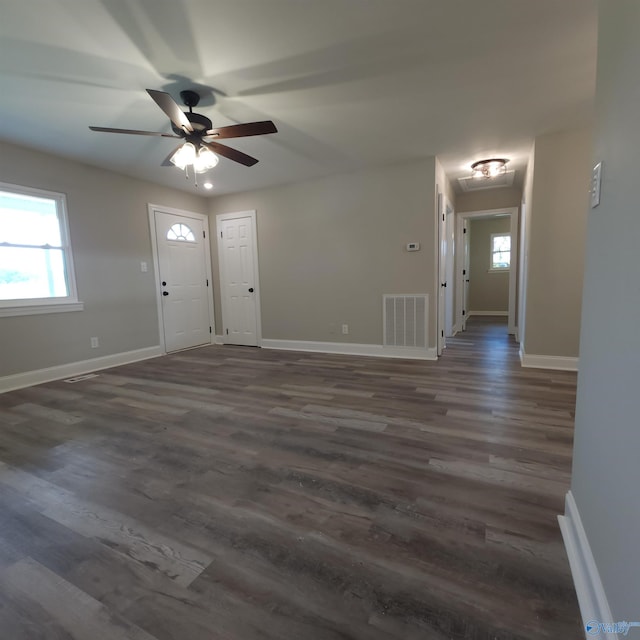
pixel 110 236
pixel 606 473
pixel 488 291
pixel 556 240
pixel 488 199
pixel 328 249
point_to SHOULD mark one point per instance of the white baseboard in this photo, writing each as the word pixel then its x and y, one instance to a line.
pixel 348 348
pixel 560 363
pixel 29 378
pixel 218 340
pixel 592 598
pixel 488 313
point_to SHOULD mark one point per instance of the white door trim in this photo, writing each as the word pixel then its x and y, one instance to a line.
pixel 152 209
pixel 440 295
pixel 220 218
pixel 513 271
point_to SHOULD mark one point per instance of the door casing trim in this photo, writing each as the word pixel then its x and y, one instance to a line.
pixel 513 271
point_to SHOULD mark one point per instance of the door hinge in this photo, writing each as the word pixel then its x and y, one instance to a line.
pixel 443 217
pixel 464 272
pixel 227 331
pixel 464 230
pixel 204 235
pixel 209 329
pixel 463 312
pixel 442 333
pixel 221 234
pixel 207 282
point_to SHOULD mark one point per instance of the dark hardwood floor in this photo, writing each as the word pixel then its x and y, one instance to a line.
pixel 235 493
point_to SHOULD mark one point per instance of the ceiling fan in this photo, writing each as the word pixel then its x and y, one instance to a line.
pixel 198 133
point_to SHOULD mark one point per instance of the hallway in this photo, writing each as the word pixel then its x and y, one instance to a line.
pixel 236 493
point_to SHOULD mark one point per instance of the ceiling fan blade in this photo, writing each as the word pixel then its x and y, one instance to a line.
pixel 231 154
pixel 171 108
pixel 243 130
pixel 134 132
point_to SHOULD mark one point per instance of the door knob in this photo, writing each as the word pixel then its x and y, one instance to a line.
pixel 165 293
pixel 250 289
pixel 444 284
pixel 164 284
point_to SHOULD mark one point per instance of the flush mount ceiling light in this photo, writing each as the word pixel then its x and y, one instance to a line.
pixel 489 168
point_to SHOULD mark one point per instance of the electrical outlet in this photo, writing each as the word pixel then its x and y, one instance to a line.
pixel 95 343
pixel 143 267
pixel 345 329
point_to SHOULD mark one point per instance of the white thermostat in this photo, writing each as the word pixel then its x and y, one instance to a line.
pixel 413 246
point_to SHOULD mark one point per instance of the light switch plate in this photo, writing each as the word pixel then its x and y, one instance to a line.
pixel 596 179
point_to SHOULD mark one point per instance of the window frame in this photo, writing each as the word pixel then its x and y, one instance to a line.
pixel 33 306
pixel 493 269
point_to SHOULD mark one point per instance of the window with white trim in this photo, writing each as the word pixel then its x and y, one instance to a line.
pixel 36 265
pixel 500 252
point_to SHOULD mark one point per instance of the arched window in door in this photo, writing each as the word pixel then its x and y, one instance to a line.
pixel 181 232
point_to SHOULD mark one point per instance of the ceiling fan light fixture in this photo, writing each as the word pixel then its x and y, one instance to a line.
pixel 205 160
pixel 489 168
pixel 184 156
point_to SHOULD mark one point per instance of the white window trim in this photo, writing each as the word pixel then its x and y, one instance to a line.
pixel 33 306
pixel 491 268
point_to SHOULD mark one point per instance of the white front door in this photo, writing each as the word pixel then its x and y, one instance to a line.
pixel 237 249
pixel 182 273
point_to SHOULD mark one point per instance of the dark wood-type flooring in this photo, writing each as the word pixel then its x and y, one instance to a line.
pixel 236 493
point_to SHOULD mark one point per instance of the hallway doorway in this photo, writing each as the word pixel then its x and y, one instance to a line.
pixel 487 266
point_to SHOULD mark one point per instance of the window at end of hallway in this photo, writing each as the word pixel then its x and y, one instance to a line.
pixel 500 258
pixel 36 265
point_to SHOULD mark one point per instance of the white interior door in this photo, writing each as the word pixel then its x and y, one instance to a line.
pixel 238 255
pixel 466 253
pixel 450 278
pixel 182 270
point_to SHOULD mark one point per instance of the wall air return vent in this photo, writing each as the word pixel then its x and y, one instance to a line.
pixel 476 184
pixel 405 320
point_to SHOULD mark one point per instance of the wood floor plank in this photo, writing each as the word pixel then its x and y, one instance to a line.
pixel 87 618
pixel 181 563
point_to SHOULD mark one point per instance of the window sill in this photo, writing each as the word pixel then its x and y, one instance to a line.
pixel 37 309
pixel 498 270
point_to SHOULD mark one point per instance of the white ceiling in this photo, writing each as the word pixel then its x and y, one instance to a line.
pixel 349 83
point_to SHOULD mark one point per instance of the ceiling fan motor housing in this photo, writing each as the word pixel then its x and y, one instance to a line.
pixel 198 122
